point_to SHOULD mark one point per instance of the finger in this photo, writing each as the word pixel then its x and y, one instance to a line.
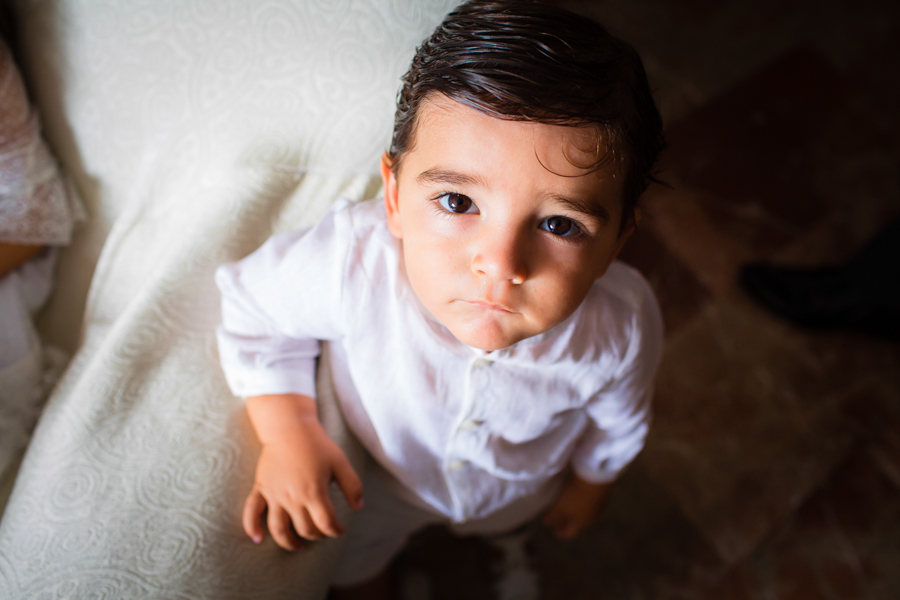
pixel 304 525
pixel 567 530
pixel 558 522
pixel 324 518
pixel 553 518
pixel 349 482
pixel 254 507
pixel 281 529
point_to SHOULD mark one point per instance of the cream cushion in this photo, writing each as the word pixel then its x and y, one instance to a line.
pixel 193 130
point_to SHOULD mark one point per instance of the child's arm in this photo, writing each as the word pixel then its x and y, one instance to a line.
pixel 277 303
pixel 619 414
pixel 296 465
pixel 577 507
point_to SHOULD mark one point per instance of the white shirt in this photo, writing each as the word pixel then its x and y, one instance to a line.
pixel 464 431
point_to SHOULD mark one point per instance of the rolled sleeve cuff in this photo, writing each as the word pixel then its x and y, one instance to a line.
pixel 592 474
pixel 247 383
pixel 602 461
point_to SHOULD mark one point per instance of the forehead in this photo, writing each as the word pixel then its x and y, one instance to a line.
pixel 453 136
pixel 445 117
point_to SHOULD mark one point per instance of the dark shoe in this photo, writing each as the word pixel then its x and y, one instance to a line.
pixel 815 298
pixel 864 294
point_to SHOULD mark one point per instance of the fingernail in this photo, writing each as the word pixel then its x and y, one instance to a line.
pixel 257 539
pixel 359 502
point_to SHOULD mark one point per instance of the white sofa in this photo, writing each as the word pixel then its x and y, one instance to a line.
pixel 193 130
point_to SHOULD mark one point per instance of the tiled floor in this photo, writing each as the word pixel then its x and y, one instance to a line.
pixel 773 468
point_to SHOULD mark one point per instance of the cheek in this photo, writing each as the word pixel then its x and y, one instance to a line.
pixel 439 240
pixel 432 261
pixel 560 297
pixel 566 279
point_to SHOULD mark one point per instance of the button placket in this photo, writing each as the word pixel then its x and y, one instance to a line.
pixel 481 363
pixel 470 421
pixel 465 437
pixel 471 425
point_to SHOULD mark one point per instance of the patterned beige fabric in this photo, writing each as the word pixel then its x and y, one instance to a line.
pixel 193 130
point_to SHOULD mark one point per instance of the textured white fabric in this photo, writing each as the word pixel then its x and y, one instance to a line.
pixel 193 130
pixel 465 431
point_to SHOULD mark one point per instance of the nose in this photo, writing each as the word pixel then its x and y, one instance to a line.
pixel 501 257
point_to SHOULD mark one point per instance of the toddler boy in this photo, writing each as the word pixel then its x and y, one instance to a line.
pixel 485 348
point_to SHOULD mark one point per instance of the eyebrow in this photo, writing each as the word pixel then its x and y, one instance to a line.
pixel 586 207
pixel 451 178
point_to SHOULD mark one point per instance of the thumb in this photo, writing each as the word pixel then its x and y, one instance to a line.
pixel 567 530
pixel 349 482
pixel 553 517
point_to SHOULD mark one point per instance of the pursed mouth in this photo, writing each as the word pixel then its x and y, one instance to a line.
pixel 488 305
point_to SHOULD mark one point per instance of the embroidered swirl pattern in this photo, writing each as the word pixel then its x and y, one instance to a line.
pixel 194 129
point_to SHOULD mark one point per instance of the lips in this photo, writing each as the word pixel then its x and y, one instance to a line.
pixel 489 305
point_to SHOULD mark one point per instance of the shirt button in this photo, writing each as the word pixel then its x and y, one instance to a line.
pixel 455 466
pixel 481 363
pixel 470 425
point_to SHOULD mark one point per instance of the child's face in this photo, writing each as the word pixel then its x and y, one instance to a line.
pixel 495 244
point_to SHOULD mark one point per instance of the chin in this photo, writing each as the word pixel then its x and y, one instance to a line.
pixel 485 338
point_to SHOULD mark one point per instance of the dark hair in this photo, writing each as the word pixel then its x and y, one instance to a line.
pixel 524 60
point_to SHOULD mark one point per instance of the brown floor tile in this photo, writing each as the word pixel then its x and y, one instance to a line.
pixel 745 425
pixel 642 547
pixel 797 581
pixel 885 454
pixel 679 221
pixel 740 583
pixel 679 292
pixel 752 149
pixel 842 544
pixel 849 533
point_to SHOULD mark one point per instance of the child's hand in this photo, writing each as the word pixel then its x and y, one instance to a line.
pixel 577 507
pixel 296 466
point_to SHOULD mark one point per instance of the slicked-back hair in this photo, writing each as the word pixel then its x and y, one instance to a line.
pixel 528 61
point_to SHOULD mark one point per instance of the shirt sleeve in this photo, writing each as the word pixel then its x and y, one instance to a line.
pixel 278 303
pixel 620 413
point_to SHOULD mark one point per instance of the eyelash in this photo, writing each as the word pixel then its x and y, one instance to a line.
pixel 439 207
pixel 580 236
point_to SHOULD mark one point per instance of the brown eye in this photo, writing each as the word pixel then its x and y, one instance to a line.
pixel 457 203
pixel 560 226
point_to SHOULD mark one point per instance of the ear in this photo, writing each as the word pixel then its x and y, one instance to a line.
pixel 623 237
pixel 391 198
